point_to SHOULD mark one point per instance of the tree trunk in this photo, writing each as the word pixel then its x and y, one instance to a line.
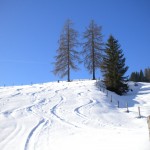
pixel 68 54
pixel 93 54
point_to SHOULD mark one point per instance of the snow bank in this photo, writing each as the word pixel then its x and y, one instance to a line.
pixel 75 115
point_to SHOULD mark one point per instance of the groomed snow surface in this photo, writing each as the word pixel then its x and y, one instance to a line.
pixel 73 116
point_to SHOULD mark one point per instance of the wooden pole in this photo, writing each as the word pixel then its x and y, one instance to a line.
pixel 107 93
pixel 118 104
pixel 111 99
pixel 127 107
pixel 148 122
pixel 139 112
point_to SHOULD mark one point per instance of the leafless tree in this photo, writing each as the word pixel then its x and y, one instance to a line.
pixel 93 47
pixel 67 55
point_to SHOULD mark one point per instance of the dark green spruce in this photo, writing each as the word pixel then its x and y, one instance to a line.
pixel 113 67
pixel 141 76
pixel 147 74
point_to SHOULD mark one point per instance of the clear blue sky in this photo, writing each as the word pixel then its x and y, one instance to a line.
pixel 30 29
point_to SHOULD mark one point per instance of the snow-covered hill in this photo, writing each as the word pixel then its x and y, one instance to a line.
pixel 73 116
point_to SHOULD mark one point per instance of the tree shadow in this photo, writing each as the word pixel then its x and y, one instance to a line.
pixel 126 100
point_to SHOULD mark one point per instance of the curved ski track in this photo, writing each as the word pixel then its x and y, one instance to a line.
pixel 48 110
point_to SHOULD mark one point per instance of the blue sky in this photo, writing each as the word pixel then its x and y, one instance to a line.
pixel 30 29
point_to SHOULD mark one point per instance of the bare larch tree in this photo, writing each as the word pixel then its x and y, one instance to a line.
pixel 67 56
pixel 93 48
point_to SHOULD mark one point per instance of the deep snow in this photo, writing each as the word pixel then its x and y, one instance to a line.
pixel 73 116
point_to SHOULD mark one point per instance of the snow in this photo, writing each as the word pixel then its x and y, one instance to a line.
pixel 73 116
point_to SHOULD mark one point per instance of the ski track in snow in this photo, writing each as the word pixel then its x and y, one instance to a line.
pixel 77 110
pixel 33 131
pixel 15 133
pixel 54 110
pixel 48 107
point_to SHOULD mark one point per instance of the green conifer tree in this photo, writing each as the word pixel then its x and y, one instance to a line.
pixel 141 76
pixel 133 76
pixel 147 74
pixel 113 67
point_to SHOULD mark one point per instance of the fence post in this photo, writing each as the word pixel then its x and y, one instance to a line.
pixel 118 104
pixel 148 122
pixel 127 107
pixel 139 112
pixel 107 92
pixel 111 99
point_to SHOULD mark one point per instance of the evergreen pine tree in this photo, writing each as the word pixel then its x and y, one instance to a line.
pixel 92 48
pixel 113 67
pixel 133 76
pixel 141 76
pixel 67 56
pixel 137 76
pixel 147 74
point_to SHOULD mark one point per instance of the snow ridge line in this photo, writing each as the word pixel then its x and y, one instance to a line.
pixel 31 134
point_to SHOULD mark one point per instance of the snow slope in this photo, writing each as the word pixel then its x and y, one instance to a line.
pixel 73 116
